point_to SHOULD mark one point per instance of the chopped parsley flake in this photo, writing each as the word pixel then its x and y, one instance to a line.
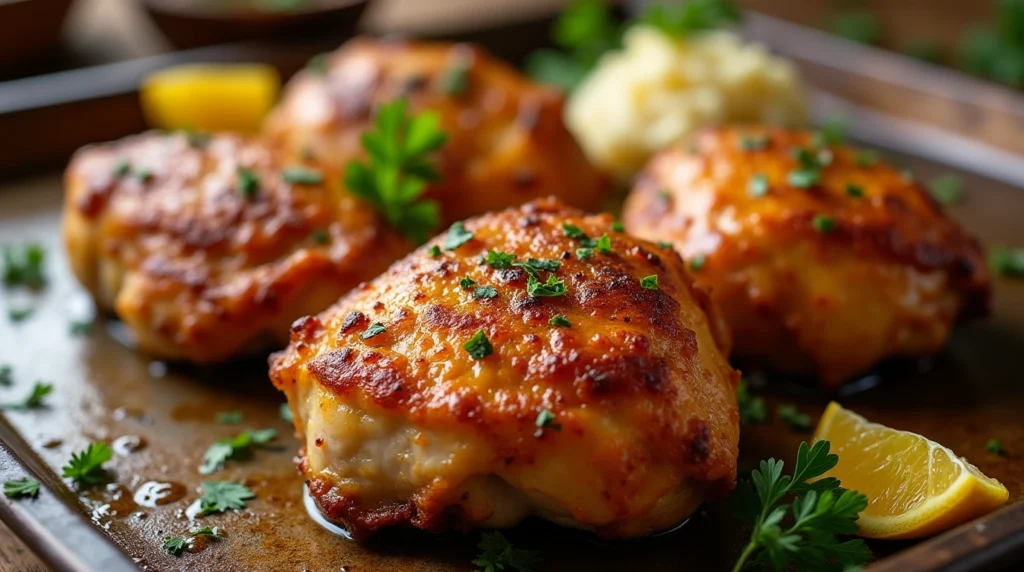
pixel 483 292
pixel 300 175
pixel 18 315
pixel 455 78
pixel 995 446
pixel 752 409
pixel 823 224
pixel 285 413
pixel 498 259
pixel 478 346
pixel 25 487
pixel 229 417
pixel 618 227
pixel 86 466
pixel 754 142
pixel 797 421
pixel 6 375
pixel 1007 262
pixel 866 158
pixel 855 191
pixel 318 64
pixel 33 400
pixel 248 182
pixel 466 283
pixel 758 186
pixel 550 288
pixel 947 189
pixel 80 327
pixel 573 231
pixel 546 420
pixel 649 282
pixel 222 496
pixel 560 321
pixel 24 265
pixel 604 244
pixel 499 555
pixel 237 447
pixel 434 251
pixel 664 245
pixel 584 253
pixel 534 265
pixel 122 168
pixel 833 132
pixel 697 262
pixel 804 178
pixel 375 329
pixel 457 236
pixel 175 545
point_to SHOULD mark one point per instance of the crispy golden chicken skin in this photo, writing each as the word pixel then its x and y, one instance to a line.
pixel 620 420
pixel 823 277
pixel 204 249
pixel 507 142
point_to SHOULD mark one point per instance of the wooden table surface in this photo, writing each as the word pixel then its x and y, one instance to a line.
pixel 15 556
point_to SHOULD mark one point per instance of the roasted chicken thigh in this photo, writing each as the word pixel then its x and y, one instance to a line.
pixel 507 142
pixel 823 259
pixel 210 247
pixel 532 362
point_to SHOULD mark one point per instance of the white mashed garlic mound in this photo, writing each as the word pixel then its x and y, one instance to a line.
pixel 659 89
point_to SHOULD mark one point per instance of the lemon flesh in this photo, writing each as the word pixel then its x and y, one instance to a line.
pixel 915 487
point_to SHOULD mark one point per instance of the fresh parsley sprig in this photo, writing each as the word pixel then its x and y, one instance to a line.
pixel 25 487
pixel 86 466
pixel 399 167
pixel 33 400
pixel 222 496
pixel 24 265
pixel 752 408
pixel 499 554
pixel 820 510
pixel 176 545
pixel 236 447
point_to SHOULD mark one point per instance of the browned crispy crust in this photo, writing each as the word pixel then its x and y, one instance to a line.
pixel 507 142
pixel 196 268
pixel 892 278
pixel 644 361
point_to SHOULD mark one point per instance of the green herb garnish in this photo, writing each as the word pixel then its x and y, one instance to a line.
pixel 6 375
pixel 300 175
pixel 375 329
pixel 754 142
pixel 857 25
pixel 752 409
pixel 121 168
pixel 534 265
pixel 399 168
pixel 222 496
pixel 454 79
pixel 550 288
pixel 823 224
pixel 853 190
pixel 820 510
pixel 832 132
pixel 796 420
pixel 86 466
pixel 584 253
pixel 25 487
pixel 248 182
pixel 176 545
pixel 18 315
pixel 457 236
pixel 484 292
pixel 758 186
pixel 499 555
pixel 229 417
pixel 866 158
pixel 237 447
pixel 478 346
pixel 697 262
pixel 546 420
pixel 618 227
pixel 649 282
pixel 560 321
pixel 285 413
pixel 1007 261
pixel 466 283
pixel 947 189
pixel 80 327
pixel 434 251
pixel 604 244
pixel 573 231
pixel 24 265
pixel 995 446
pixel 33 400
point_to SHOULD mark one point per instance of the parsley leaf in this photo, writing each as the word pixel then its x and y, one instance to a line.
pixel 754 142
pixel 560 321
pixel 25 487
pixel 297 174
pixel 175 545
pixel 698 262
pixel 80 327
pixel 618 227
pixel 823 224
pixel 86 466
pixel 947 189
pixel 434 251
pixel 24 265
pixel 6 375
pixel 455 77
pixel 853 190
pixel 498 259
pixel 534 265
pixel 18 315
pixel 375 329
pixel 236 447
pixel 573 231
pixel 466 283
pixel 682 19
pixel 649 282
pixel 399 169
pixel 551 288
pixel 820 510
pixel 796 420
pixel 604 244
pixel 248 182
pixel 1007 262
pixel 478 346
pixel 222 496
pixel 866 158
pixel 229 417
pixel 33 400
pixel 285 413
pixel 584 30
pixel 758 186
pixel 546 420
pixel 995 446
pixel 457 236
pixel 584 253
pixel 752 409
pixel 857 25
pixel 482 292
pixel 498 554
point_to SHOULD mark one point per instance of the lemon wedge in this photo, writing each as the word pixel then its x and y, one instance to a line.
pixel 210 97
pixel 915 487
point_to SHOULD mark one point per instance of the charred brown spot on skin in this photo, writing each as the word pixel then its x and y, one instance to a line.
pixel 700 444
pixel 305 329
pixel 438 316
pixel 529 220
pixel 510 275
pixel 319 442
pixel 352 320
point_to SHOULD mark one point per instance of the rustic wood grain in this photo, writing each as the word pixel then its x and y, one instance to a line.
pixel 15 556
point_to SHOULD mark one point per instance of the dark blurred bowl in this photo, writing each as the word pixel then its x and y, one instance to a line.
pixel 30 29
pixel 193 23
